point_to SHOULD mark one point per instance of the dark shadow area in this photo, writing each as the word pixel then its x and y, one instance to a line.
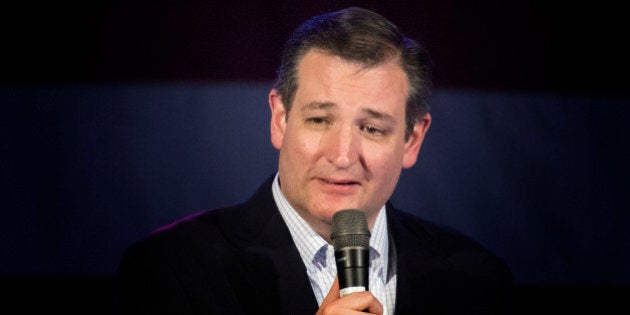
pixel 95 295
pixel 567 299
pixel 58 294
pixel 495 44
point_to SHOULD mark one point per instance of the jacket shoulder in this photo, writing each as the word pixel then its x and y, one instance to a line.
pixel 460 250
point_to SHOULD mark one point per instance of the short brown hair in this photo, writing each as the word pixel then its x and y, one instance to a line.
pixel 362 36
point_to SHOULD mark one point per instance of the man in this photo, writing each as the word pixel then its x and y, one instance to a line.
pixel 349 111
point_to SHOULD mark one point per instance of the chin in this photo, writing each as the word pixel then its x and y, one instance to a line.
pixel 325 215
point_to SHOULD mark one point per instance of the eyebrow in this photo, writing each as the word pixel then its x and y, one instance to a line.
pixel 325 105
pixel 318 105
pixel 379 115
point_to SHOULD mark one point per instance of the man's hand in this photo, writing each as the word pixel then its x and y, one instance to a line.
pixel 354 303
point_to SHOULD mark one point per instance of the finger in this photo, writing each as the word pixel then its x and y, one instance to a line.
pixel 375 306
pixel 333 293
pixel 363 301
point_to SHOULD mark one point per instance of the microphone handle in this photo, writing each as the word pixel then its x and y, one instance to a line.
pixel 352 269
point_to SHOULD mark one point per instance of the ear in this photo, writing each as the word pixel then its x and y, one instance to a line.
pixel 413 144
pixel 278 118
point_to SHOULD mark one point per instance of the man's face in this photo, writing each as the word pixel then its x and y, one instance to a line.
pixel 342 145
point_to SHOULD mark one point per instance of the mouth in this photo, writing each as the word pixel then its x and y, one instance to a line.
pixel 339 182
pixel 338 188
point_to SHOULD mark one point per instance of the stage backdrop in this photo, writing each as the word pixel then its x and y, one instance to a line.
pixel 539 178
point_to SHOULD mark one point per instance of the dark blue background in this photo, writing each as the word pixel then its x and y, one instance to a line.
pixel 538 178
pixel 125 117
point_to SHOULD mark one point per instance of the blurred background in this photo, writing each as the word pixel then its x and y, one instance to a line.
pixel 118 117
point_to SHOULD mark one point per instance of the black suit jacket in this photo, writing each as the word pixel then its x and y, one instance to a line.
pixel 242 260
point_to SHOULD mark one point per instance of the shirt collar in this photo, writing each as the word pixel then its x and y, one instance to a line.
pixel 309 242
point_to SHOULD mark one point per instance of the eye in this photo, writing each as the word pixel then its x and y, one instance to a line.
pixel 372 130
pixel 317 120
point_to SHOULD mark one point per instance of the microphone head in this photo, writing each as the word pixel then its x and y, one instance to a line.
pixel 349 228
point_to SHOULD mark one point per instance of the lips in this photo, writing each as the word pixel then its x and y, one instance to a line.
pixel 339 186
pixel 339 182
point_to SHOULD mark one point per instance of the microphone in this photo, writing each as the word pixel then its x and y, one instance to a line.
pixel 351 241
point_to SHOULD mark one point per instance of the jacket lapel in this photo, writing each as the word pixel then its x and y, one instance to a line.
pixel 269 269
pixel 416 263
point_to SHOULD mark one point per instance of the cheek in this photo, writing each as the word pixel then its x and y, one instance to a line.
pixel 387 178
pixel 300 148
pixel 383 161
pixel 385 169
pixel 387 173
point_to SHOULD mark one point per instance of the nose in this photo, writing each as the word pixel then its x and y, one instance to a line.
pixel 342 146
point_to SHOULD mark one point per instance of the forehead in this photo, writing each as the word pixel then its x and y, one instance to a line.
pixel 323 77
